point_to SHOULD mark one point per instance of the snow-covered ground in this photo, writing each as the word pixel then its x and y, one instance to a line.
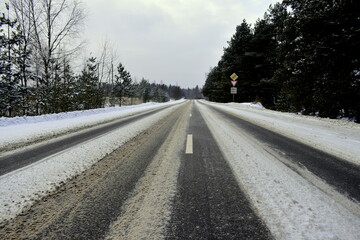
pixel 293 207
pixel 19 189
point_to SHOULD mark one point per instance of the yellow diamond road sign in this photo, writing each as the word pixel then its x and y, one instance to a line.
pixel 234 76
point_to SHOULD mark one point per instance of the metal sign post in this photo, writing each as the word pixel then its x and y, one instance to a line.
pixel 233 91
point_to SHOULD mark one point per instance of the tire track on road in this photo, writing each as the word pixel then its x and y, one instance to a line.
pixel 342 175
pixel 293 206
pixel 209 203
pixel 85 206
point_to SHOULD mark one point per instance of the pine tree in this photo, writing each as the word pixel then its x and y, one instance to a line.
pixel 237 58
pixel 145 90
pixel 175 92
pixel 123 84
pixel 214 86
pixel 285 33
pixel 89 94
pixel 68 93
pixel 10 92
pixel 325 59
pixel 159 92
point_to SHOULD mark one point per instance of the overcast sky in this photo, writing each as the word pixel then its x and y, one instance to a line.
pixel 170 41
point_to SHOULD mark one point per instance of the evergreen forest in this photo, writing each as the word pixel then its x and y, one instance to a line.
pixel 303 56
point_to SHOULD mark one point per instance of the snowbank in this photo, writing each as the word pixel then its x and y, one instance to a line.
pixel 254 105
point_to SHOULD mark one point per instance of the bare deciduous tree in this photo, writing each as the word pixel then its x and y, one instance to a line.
pixel 108 56
pixel 50 23
pixel 49 28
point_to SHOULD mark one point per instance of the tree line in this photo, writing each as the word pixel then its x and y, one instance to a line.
pixel 36 74
pixel 302 56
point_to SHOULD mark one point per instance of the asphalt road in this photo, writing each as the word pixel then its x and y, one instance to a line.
pixel 11 162
pixel 208 202
pixel 342 175
pixel 85 207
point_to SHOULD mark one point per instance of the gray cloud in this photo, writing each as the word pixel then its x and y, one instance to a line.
pixel 173 41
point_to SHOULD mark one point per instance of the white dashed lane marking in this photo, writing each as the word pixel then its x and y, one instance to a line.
pixel 189 144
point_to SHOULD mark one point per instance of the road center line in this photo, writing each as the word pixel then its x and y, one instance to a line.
pixel 189 144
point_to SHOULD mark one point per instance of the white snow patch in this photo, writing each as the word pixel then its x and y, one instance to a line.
pixel 251 104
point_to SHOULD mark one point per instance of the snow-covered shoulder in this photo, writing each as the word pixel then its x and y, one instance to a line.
pixel 337 137
pixel 20 130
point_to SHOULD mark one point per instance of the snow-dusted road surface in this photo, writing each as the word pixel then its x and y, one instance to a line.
pixel 137 182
